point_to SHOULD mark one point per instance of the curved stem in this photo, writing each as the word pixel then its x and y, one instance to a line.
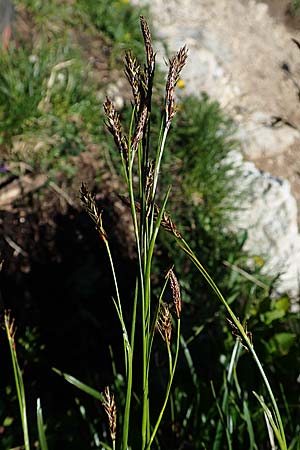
pixel 172 368
pixel 184 246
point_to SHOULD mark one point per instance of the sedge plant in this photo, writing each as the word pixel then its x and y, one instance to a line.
pixel 9 324
pixel 142 171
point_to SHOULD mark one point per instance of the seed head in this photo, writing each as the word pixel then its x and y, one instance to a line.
pixel 133 73
pixel 168 224
pixel 110 408
pixel 140 126
pixel 164 322
pixel 10 327
pixel 175 292
pixel 176 64
pixel 89 203
pixel 115 128
pixel 148 46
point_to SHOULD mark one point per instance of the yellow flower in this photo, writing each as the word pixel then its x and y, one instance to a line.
pixel 258 260
pixel 180 83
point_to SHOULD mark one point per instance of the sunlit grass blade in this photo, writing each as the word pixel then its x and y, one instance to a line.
pixel 82 386
pixel 218 438
pixel 248 420
pixel 271 422
pixel 225 402
pixel 10 332
pixel 172 368
pixel 41 426
pixel 243 335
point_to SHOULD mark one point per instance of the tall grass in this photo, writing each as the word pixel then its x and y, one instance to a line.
pixel 135 414
pixel 142 171
pixel 147 218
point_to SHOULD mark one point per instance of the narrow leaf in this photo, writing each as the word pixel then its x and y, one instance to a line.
pixel 82 386
pixel 41 426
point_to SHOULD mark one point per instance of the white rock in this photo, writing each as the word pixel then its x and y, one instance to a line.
pixel 260 139
pixel 269 215
pixel 235 53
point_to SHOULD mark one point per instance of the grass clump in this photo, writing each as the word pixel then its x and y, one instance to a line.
pixel 148 218
pixel 48 107
pixel 44 106
pixel 161 394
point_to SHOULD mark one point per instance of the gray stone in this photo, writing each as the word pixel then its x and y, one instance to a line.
pixel 260 139
pixel 235 53
pixel 269 215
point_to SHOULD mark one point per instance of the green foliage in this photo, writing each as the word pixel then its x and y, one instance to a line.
pixel 47 107
pixel 201 140
pixel 294 7
pixel 49 112
pixel 118 20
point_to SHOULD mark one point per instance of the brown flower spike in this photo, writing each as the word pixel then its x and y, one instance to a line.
pixel 110 408
pixel 175 292
pixel 164 322
pixel 91 208
pixel 148 46
pixel 115 128
pixel 176 64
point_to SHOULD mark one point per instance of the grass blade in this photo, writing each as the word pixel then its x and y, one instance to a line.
pixel 271 424
pixel 82 386
pixel 41 426
pixel 10 331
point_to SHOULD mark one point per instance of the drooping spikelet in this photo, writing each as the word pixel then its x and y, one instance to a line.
pixel 10 327
pixel 114 126
pixel 110 408
pixel 89 203
pixel 176 295
pixel 176 64
pixel 164 322
pixel 150 56
pixel 140 126
pixel 133 73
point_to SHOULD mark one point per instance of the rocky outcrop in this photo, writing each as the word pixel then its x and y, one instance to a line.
pixel 236 55
pixel 268 213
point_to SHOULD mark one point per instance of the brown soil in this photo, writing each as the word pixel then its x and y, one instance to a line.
pixel 35 224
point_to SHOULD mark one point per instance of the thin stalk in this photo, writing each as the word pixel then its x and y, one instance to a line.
pixel 188 357
pixel 158 159
pixel 156 315
pixel 172 367
pixel 233 360
pixel 149 338
pixel 139 238
pixel 127 354
pixel 184 246
pixel 41 426
pixel 221 417
pixel 149 235
pixel 137 234
pixel 9 326
pixel 127 405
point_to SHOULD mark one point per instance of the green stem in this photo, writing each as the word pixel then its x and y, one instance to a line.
pixel 184 246
pixel 172 373
pixel 18 381
pixel 234 358
pixel 127 355
pixel 158 162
